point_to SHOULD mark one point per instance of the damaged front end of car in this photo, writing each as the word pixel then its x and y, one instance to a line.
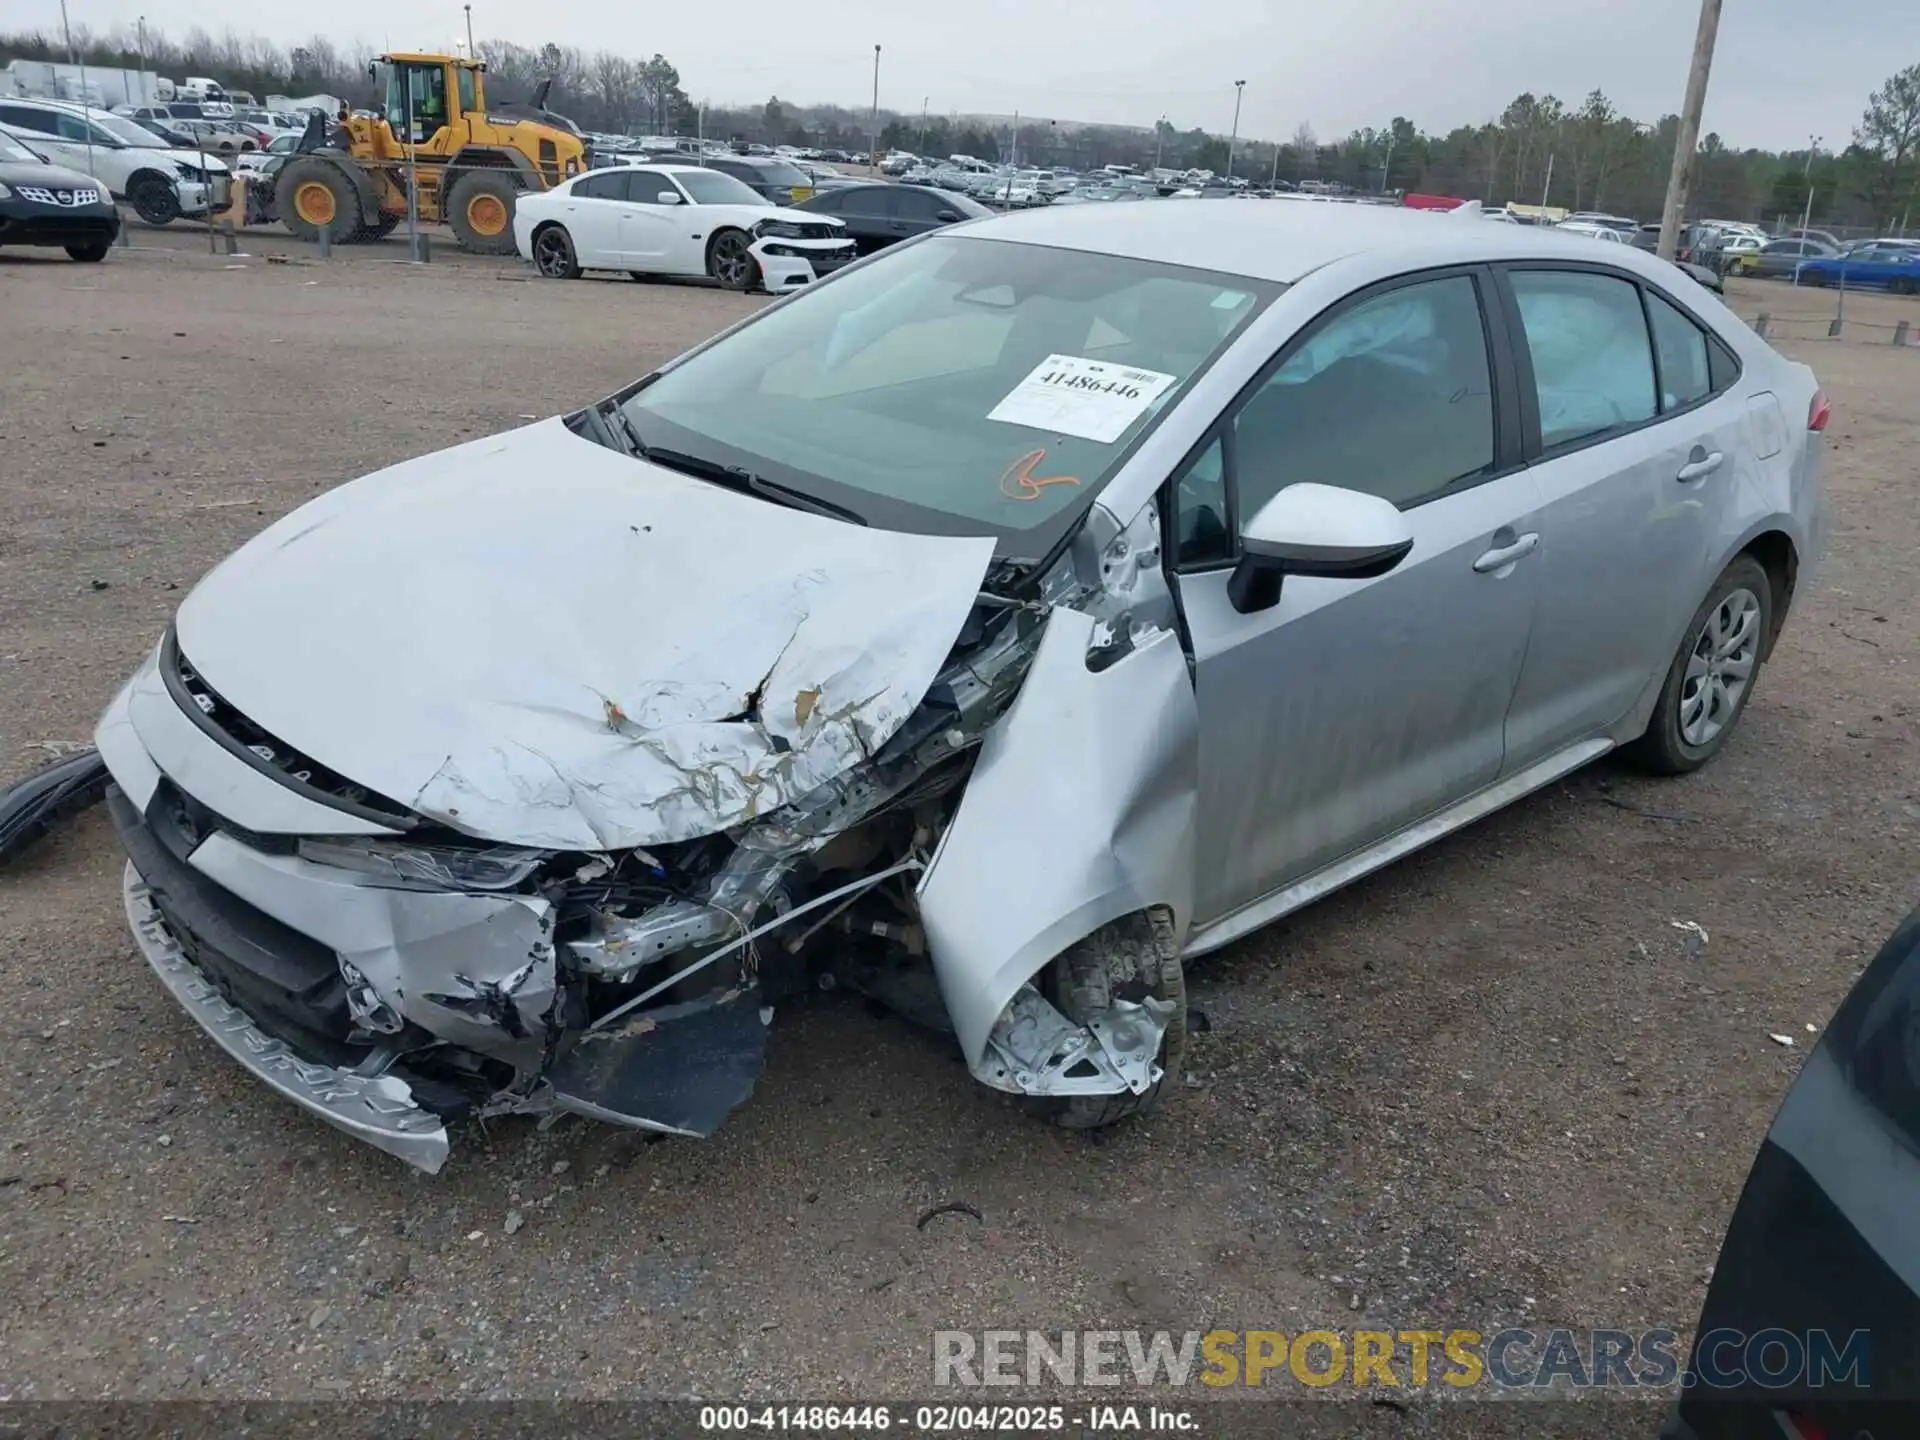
pixel 401 974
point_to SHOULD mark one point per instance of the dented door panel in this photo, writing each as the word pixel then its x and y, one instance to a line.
pixel 1080 810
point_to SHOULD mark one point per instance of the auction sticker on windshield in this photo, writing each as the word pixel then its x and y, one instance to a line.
pixel 1071 395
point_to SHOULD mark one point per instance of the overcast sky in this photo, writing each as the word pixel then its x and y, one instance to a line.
pixel 1784 70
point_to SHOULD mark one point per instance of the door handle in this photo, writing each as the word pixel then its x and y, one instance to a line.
pixel 1700 464
pixel 1502 556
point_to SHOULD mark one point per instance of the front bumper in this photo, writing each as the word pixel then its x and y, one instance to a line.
pixel 793 264
pixel 25 222
pixel 379 1109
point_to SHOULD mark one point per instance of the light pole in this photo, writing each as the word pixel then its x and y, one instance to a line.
pixel 1159 139
pixel 140 29
pixel 1233 140
pixel 469 10
pixel 1386 165
pixel 873 128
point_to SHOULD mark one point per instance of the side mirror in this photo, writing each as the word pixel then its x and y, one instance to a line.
pixel 947 215
pixel 1310 529
pixel 668 197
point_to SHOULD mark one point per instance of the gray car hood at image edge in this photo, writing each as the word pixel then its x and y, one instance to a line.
pixel 540 641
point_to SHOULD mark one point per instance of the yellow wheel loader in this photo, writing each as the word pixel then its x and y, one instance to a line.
pixel 347 179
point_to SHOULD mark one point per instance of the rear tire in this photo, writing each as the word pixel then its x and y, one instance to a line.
pixel 154 200
pixel 1712 675
pixel 90 254
pixel 1133 958
pixel 480 211
pixel 315 197
pixel 731 262
pixel 553 253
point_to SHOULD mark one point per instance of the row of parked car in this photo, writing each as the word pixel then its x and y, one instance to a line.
pixel 1806 256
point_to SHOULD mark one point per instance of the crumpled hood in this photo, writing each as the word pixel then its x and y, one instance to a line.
pixel 540 641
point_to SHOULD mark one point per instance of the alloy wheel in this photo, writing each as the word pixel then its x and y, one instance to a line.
pixel 552 255
pixel 1720 667
pixel 730 260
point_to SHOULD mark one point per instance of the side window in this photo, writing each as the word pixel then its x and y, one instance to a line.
pixel 32 120
pixel 601 185
pixel 825 202
pixel 465 83
pixel 1721 366
pixel 1592 365
pixel 868 200
pixel 643 187
pixel 1682 352
pixel 1393 397
pixel 913 203
pixel 1200 532
pixel 71 128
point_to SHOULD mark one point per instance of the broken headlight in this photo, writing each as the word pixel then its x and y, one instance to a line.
pixel 782 229
pixel 500 867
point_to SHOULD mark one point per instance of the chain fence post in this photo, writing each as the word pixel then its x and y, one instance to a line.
pixel 1760 323
pixel 1900 334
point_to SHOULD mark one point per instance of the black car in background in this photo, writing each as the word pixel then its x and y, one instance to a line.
pixel 1811 1326
pixel 877 216
pixel 43 204
pixel 777 180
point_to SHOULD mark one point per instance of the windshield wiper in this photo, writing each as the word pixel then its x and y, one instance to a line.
pixel 736 477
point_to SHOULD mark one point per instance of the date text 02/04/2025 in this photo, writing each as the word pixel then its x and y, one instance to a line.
pixel 943 1419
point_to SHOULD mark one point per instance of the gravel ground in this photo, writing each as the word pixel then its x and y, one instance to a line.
pixel 1490 1085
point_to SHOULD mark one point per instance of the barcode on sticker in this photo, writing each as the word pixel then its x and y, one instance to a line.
pixel 1143 377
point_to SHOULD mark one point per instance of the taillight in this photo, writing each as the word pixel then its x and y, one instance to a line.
pixel 1819 412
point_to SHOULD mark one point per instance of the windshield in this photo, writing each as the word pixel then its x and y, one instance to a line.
pixel 14 153
pixel 957 386
pixel 128 133
pixel 710 187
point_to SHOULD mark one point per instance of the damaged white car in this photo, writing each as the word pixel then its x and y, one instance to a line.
pixel 987 630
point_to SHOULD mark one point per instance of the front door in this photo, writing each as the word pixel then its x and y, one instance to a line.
pixel 1352 708
pixel 647 227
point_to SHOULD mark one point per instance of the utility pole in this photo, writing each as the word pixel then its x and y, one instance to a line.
pixel 1159 138
pixel 1386 167
pixel 471 54
pixel 1806 217
pixel 1273 180
pixel 71 59
pixel 140 29
pixel 1546 187
pixel 921 143
pixel 873 150
pixel 1687 142
pixel 1239 89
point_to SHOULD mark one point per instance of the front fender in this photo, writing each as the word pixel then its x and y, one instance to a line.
pixel 1080 810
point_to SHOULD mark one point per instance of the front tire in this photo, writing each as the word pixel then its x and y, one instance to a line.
pixel 90 254
pixel 553 253
pixel 154 200
pixel 1712 675
pixel 315 196
pixel 1136 957
pixel 480 211
pixel 731 262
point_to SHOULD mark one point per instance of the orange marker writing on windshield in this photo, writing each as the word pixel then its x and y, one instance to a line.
pixel 1020 483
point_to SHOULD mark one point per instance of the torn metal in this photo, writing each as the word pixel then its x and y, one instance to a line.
pixel 544 852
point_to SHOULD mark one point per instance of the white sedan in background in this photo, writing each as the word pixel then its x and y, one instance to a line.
pixel 676 220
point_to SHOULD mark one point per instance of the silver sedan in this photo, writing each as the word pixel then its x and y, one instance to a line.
pixel 993 629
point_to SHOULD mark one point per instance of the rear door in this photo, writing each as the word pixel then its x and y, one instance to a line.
pixel 592 217
pixel 1639 443
pixel 1352 708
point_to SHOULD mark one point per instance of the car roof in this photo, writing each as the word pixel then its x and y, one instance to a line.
pixel 1270 240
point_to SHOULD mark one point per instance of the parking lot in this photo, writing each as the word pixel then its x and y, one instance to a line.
pixel 1493 1084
